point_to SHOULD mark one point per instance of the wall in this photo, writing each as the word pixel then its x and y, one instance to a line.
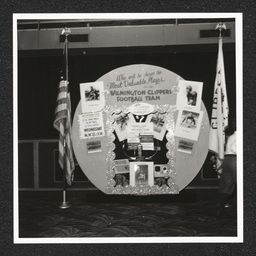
pixel 38 78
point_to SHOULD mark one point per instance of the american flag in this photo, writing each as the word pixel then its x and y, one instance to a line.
pixel 62 123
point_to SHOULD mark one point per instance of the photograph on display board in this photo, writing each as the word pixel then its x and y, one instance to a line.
pixel 189 119
pixel 159 124
pixel 92 96
pixel 188 124
pixel 189 95
pixel 141 173
pixel 121 121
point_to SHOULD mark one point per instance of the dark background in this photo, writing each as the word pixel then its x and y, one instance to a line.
pixel 39 76
pixel 6 137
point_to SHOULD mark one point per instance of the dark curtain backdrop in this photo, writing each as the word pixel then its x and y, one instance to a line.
pixel 39 76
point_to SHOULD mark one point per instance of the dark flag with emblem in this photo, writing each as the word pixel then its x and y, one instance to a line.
pixel 62 123
pixel 219 119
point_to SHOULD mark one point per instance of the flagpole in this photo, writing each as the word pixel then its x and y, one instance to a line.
pixel 65 204
pixel 219 117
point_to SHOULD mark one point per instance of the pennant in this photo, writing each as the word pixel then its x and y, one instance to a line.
pixel 62 123
pixel 220 110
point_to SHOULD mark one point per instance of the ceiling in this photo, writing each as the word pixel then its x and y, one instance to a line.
pixel 99 35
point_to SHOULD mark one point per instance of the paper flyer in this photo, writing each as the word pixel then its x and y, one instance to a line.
pixel 135 130
pixel 91 125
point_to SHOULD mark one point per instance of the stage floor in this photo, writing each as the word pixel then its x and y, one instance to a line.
pixel 94 214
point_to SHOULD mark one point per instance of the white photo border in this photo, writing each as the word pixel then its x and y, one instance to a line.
pixel 239 98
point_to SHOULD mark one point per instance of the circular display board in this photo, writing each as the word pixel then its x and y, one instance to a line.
pixel 136 100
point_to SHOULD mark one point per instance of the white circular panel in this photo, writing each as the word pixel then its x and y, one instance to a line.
pixel 149 85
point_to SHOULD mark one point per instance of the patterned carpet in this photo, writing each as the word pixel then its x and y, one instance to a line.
pixel 94 214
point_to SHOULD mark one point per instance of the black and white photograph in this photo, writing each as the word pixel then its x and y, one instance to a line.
pixel 92 96
pixel 121 121
pixel 75 76
pixel 189 95
pixel 159 124
pixel 189 119
pixel 141 174
pixel 188 124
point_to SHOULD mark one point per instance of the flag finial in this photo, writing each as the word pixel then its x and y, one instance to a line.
pixel 220 26
pixel 66 31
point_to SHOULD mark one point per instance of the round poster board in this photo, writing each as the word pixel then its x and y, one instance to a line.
pixel 150 87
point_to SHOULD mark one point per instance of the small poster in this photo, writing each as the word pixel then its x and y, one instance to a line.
pixel 159 124
pixel 94 146
pixel 189 95
pixel 185 146
pixel 188 124
pixel 121 121
pixel 91 125
pixel 92 96
pixel 141 173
